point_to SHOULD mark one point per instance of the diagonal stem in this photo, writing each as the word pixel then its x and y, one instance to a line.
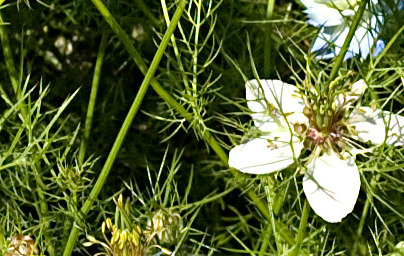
pixel 207 136
pixel 356 20
pixel 128 120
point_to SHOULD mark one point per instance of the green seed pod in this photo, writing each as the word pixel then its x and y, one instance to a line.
pixel 109 223
pixel 134 236
pixel 122 239
pixel 115 236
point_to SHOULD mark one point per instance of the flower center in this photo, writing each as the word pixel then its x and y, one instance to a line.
pixel 319 138
pixel 326 129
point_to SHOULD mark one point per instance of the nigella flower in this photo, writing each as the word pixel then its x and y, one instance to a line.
pixel 334 17
pixel 291 122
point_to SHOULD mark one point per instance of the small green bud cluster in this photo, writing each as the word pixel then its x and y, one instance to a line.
pixel 166 225
pixel 163 227
pixel 122 241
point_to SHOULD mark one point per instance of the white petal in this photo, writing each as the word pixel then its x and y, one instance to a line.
pixel 319 44
pixel 365 34
pixel 340 39
pixel 332 186
pixel 259 156
pixel 321 14
pixel 371 126
pixel 358 88
pixel 264 122
pixel 378 47
pixel 271 92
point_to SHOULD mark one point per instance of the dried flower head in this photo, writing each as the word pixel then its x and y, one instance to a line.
pixel 22 245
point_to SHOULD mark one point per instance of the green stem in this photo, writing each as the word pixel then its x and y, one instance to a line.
pixel 176 51
pixel 93 96
pixel 89 117
pixel 131 114
pixel 207 137
pixel 8 56
pixel 268 187
pixel 356 20
pixel 365 211
pixel 12 73
pixel 268 67
pixel 265 239
pixel 302 227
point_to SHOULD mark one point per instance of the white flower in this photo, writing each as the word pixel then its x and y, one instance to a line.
pixel 331 182
pixel 334 17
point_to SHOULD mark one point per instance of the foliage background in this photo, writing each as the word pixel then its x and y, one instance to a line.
pixel 163 156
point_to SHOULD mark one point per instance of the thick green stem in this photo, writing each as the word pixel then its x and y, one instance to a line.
pixel 268 65
pixel 365 211
pixel 302 227
pixel 356 20
pixel 130 116
pixel 207 137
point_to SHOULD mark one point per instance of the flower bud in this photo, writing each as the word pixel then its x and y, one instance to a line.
pixel 166 225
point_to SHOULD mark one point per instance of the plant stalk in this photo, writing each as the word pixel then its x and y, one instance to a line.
pixel 93 96
pixel 356 20
pixel 365 211
pixel 130 116
pixel 302 227
pixel 207 136
pixel 8 56
pixel 268 58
